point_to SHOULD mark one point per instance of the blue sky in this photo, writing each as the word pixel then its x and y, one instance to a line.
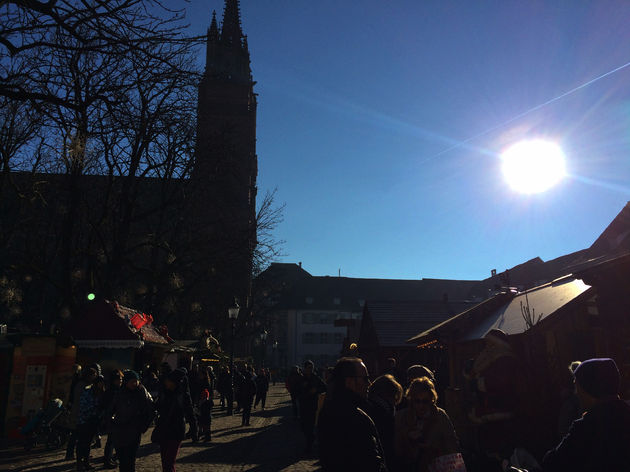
pixel 364 107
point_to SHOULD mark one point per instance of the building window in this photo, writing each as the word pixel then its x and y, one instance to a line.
pixel 308 338
pixel 337 301
pixel 309 300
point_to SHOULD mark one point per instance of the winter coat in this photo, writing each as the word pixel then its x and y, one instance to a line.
pixel 246 390
pixel 78 390
pixel 418 442
pixel 383 414
pixel 348 439
pixel 599 441
pixel 132 413
pixel 174 408
pixel 90 407
pixel 308 390
pixel 262 384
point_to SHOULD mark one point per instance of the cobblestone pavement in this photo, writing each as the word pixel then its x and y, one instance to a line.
pixel 273 442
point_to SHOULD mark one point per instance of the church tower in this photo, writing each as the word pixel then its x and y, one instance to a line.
pixel 225 169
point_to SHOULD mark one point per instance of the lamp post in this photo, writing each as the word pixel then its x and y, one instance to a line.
pixel 232 315
pixel 263 339
pixel 274 360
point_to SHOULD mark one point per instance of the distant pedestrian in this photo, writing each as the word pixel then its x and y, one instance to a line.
pixel 90 415
pixel 246 393
pixel 88 376
pixel 132 413
pixel 174 409
pixel 114 386
pixel 308 390
pixel 348 438
pixel 292 382
pixel 598 441
pixel 223 386
pixel 205 415
pixel 262 386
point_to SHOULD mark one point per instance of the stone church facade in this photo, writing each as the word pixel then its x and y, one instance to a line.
pixel 188 252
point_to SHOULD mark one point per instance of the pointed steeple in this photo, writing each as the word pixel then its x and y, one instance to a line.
pixel 213 32
pixel 231 32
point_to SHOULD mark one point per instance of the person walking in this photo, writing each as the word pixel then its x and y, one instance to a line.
pixel 598 441
pixel 348 438
pixel 205 415
pixel 90 415
pixel 88 376
pixel 114 386
pixel 308 390
pixel 262 386
pixel 246 393
pixel 292 382
pixel 175 408
pixel 132 413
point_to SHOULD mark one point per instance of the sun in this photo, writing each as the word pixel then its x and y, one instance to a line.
pixel 533 166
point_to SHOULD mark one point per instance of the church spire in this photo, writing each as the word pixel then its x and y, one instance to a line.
pixel 213 32
pixel 231 32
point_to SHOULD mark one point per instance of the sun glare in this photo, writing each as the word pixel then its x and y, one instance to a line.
pixel 533 166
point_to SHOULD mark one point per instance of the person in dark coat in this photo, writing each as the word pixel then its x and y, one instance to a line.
pixel 308 390
pixel 599 441
pixel 90 415
pixel 88 376
pixel 246 393
pixel 205 415
pixel 293 381
pixel 262 386
pixel 348 438
pixel 174 407
pixel 223 386
pixel 383 396
pixel 114 386
pixel 132 414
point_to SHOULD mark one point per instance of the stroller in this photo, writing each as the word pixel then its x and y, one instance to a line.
pixel 43 428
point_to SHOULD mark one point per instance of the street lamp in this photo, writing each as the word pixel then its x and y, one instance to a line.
pixel 274 360
pixel 232 315
pixel 263 339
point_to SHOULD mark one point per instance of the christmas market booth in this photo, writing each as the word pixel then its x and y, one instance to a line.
pixel 37 367
pixel 118 337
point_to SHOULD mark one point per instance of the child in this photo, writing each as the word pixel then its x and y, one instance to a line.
pixel 205 414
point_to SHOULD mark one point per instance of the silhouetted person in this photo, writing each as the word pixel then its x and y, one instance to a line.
pixel 132 413
pixel 262 386
pixel 383 396
pixel 293 380
pixel 308 390
pixel 246 392
pixel 348 438
pixel 600 440
pixel 174 408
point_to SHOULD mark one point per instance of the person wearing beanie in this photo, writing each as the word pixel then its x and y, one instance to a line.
pixel 90 415
pixel 131 415
pixel 174 407
pixel 598 440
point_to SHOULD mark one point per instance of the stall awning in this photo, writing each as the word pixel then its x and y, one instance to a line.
pixel 109 343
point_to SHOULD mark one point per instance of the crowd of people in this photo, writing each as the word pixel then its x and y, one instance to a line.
pixel 124 406
pixel 395 424
pixel 392 422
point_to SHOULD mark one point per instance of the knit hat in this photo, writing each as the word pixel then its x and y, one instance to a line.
pixel 130 375
pixel 598 377
pixel 205 394
pixel 177 375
